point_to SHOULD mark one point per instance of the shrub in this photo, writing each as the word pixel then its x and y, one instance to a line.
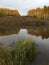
pixel 24 52
pixel 2 14
pixel 5 56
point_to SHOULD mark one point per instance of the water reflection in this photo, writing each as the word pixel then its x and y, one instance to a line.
pixel 35 34
pixel 43 32
pixel 37 31
pixel 5 32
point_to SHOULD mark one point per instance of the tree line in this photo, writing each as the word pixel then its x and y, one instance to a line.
pixel 39 12
pixel 8 12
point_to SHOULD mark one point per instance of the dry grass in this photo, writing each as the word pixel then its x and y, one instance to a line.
pixel 5 56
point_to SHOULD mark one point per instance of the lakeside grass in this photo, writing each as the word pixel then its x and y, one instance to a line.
pixel 24 52
pixel 5 55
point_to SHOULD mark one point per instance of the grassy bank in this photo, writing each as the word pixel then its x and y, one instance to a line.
pixel 21 22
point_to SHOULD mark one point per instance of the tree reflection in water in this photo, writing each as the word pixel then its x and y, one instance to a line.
pixel 43 32
pixel 37 31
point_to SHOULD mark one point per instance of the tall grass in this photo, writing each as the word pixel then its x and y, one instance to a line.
pixel 24 52
pixel 5 56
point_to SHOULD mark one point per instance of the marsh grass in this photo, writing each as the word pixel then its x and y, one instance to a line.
pixel 24 52
pixel 5 56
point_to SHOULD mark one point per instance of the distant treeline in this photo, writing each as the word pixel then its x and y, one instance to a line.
pixel 39 12
pixel 8 12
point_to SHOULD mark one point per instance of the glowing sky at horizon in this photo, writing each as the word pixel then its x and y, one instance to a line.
pixel 23 5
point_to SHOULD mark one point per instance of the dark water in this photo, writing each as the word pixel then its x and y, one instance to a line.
pixel 41 38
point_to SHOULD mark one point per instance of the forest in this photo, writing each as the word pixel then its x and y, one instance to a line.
pixel 42 13
pixel 8 12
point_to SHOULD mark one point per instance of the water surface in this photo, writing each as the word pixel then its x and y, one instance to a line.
pixel 40 37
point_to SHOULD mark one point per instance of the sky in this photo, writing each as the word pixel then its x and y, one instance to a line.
pixel 23 5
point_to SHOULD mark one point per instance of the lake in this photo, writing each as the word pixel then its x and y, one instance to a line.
pixel 39 35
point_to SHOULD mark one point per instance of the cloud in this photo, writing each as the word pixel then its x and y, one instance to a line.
pixel 23 5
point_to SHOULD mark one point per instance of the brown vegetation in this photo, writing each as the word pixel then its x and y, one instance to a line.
pixel 40 12
pixel 39 31
pixel 9 12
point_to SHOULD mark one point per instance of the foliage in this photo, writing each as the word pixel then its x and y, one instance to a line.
pixel 1 14
pixel 40 12
pixel 24 52
pixel 9 12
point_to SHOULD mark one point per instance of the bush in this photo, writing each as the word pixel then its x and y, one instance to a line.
pixel 2 14
pixel 5 56
pixel 24 52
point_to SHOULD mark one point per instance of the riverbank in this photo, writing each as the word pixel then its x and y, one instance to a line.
pixel 22 22
pixel 9 24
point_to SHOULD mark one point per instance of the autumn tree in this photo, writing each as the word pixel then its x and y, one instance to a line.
pixel 42 13
pixel 9 12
